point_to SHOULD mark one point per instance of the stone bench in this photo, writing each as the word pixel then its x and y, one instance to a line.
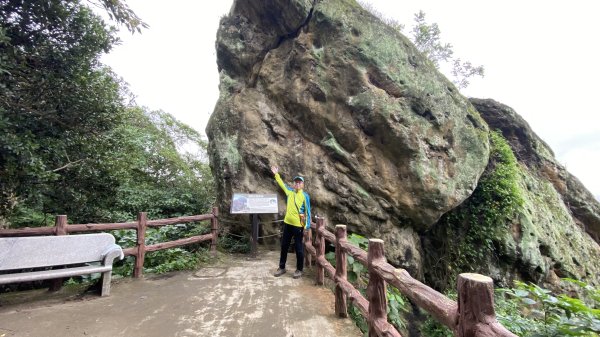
pixel 70 251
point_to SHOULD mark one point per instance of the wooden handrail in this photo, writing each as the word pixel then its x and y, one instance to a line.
pixel 473 315
pixel 172 221
pixel 443 309
pixel 80 228
pixel 27 231
pixel 62 228
pixel 178 243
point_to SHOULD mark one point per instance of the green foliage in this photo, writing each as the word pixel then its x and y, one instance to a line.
pixel 234 245
pixel 167 260
pixel 432 328
pixel 359 241
pixel 150 159
pixel 508 313
pixel 358 318
pixel 535 311
pixel 122 14
pixel 397 307
pixel 427 38
pixel 57 102
pixel 70 145
pixel 384 18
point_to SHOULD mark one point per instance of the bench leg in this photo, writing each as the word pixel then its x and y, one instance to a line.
pixel 56 284
pixel 106 276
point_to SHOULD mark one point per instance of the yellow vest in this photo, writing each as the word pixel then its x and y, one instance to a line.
pixel 296 204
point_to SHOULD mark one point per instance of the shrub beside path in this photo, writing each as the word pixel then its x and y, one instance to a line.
pixel 234 297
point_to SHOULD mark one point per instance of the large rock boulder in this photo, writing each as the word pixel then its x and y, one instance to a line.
pixel 326 90
pixel 548 232
pixel 558 228
pixel 537 156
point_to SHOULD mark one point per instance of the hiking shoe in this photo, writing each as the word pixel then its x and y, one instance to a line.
pixel 297 274
pixel 279 272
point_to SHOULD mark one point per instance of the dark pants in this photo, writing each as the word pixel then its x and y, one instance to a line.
pixel 290 232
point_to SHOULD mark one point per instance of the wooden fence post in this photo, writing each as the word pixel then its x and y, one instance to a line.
pixel 341 308
pixel 60 228
pixel 214 228
pixel 254 234
pixel 141 245
pixel 376 290
pixel 307 240
pixel 476 315
pixel 61 225
pixel 320 248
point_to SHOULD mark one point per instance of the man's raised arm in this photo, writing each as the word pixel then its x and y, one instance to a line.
pixel 275 171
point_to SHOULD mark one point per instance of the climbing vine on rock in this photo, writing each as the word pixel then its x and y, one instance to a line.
pixel 485 217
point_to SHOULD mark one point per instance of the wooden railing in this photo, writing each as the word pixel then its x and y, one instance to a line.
pixel 472 315
pixel 139 251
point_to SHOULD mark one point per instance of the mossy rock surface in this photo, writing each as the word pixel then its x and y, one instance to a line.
pixel 528 218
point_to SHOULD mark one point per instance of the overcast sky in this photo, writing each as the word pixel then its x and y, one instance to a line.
pixel 540 59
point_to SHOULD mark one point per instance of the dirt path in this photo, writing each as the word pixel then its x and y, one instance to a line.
pixel 232 298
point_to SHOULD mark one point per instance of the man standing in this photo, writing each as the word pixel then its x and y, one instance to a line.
pixel 297 217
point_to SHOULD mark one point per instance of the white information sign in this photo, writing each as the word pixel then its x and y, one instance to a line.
pixel 243 203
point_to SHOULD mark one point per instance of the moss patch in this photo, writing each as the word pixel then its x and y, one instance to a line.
pixel 331 143
pixel 227 149
pixel 486 216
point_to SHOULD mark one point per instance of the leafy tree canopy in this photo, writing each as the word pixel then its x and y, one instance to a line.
pixel 69 142
pixel 427 38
